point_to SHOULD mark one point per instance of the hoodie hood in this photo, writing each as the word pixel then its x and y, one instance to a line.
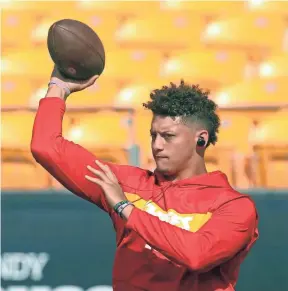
pixel 213 179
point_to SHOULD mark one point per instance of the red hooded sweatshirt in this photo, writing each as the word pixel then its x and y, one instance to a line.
pixel 191 234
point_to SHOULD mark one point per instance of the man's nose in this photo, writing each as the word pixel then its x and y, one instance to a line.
pixel 158 143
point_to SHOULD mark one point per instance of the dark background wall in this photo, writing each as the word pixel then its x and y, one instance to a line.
pixel 78 243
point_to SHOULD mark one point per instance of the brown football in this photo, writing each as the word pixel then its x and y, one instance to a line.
pixel 76 49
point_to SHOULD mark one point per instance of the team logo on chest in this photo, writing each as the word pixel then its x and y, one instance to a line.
pixel 171 216
pixel 190 221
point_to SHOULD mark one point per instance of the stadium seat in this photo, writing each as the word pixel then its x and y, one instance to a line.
pixel 18 23
pixel 37 9
pixel 15 90
pixel 36 95
pixel 233 140
pixel 278 8
pixel 180 32
pixel 35 65
pixel 22 175
pixel 271 151
pixel 20 170
pixel 214 66
pixel 102 93
pixel 104 133
pixel 102 129
pixel 274 66
pixel 204 8
pixel 132 64
pixel 221 159
pixel 255 92
pixel 247 32
pixel 273 130
pixel 120 8
pixel 136 93
pixel 16 129
pixel 271 166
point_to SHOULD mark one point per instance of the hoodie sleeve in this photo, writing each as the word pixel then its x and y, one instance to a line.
pixel 230 229
pixel 67 161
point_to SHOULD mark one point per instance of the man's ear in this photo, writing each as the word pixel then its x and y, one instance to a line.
pixel 202 138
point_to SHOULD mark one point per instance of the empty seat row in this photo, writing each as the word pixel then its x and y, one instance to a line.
pixel 182 30
pixel 114 91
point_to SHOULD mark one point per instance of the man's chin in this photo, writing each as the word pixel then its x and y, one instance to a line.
pixel 163 170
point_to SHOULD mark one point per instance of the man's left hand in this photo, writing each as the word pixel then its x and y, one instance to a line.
pixel 109 183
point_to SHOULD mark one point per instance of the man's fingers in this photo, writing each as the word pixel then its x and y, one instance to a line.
pixel 89 82
pixel 107 171
pixel 95 180
pixel 100 174
pixel 93 79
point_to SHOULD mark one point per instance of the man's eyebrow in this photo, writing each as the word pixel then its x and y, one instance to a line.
pixel 162 132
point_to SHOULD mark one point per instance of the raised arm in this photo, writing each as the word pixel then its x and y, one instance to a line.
pixel 63 159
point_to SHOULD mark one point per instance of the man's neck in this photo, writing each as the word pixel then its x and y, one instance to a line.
pixel 195 169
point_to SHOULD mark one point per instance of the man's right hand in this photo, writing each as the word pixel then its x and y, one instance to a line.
pixel 72 85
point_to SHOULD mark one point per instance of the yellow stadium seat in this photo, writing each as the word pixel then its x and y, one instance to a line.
pixel 104 133
pixel 232 123
pixel 32 64
pixel 180 32
pixel 121 8
pixel 37 8
pixel 20 171
pixel 221 159
pixel 248 31
pixel 15 90
pixel 36 95
pixel 234 140
pixel 274 66
pixel 136 93
pixel 214 66
pixel 22 176
pixel 205 8
pixel 16 129
pixel 257 92
pixel 272 166
pixel 132 64
pixel 273 130
pixel 278 8
pixel 271 151
pixel 100 129
pixel 102 93
pixel 18 26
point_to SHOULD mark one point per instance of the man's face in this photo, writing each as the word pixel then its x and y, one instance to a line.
pixel 172 143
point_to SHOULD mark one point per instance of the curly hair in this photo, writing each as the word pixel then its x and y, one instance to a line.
pixel 189 102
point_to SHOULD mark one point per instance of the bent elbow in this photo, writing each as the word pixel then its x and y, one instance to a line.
pixel 42 151
pixel 196 264
pixel 38 151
